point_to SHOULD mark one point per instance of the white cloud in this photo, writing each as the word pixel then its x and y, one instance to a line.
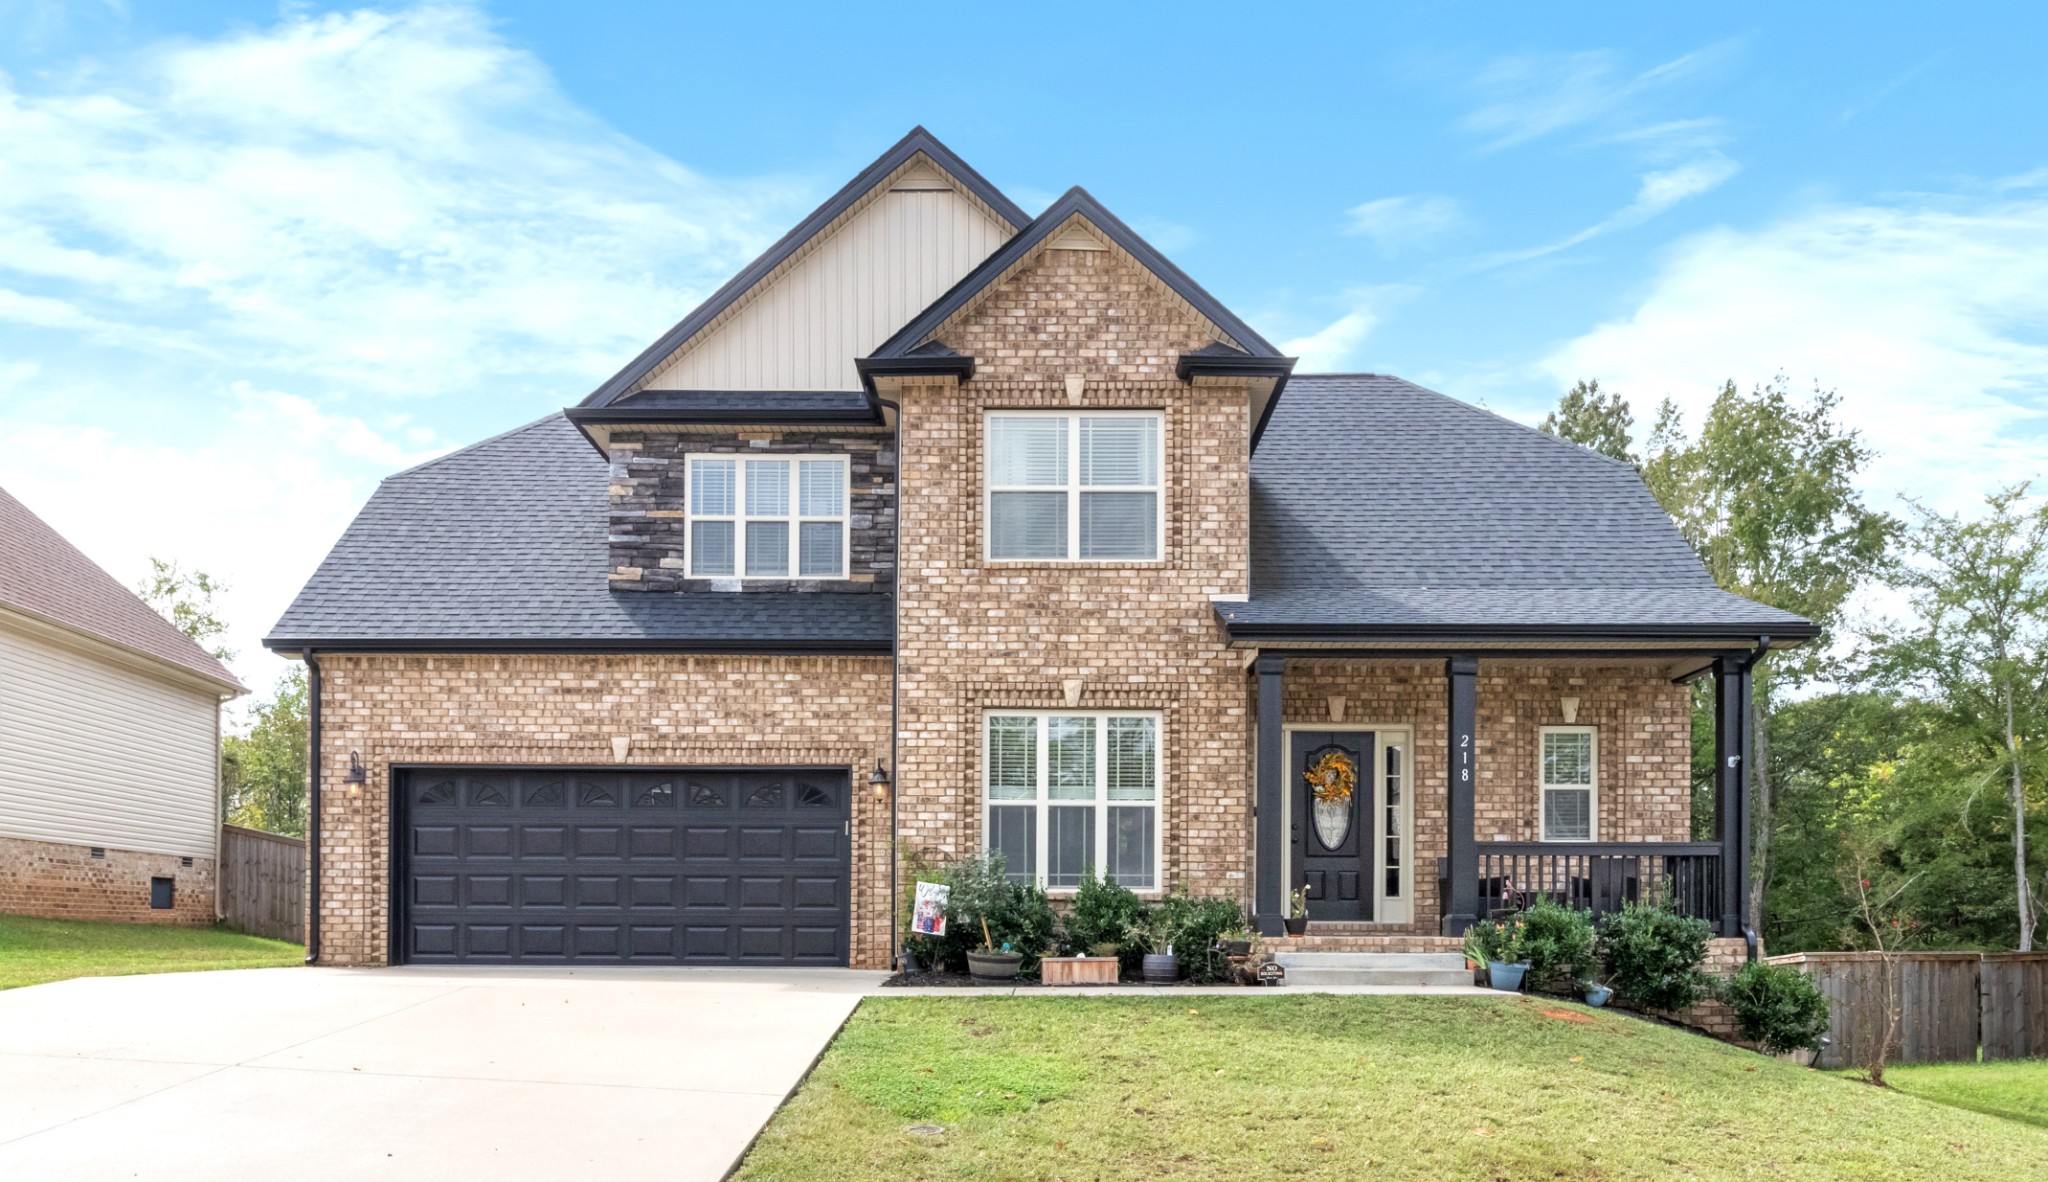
pixel 1393 224
pixel 1926 317
pixel 1656 193
pixel 1331 348
pixel 1529 96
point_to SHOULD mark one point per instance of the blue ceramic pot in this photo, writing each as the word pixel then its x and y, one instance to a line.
pixel 1597 995
pixel 1504 976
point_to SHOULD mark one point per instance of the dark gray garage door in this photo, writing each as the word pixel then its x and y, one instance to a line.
pixel 566 866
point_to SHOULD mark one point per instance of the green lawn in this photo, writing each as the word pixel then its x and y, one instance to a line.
pixel 2017 1089
pixel 1314 1087
pixel 33 951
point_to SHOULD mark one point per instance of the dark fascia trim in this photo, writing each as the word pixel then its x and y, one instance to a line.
pixel 1480 634
pixel 919 140
pixel 959 365
pixel 1075 201
pixel 1482 652
pixel 289 646
pixel 1194 365
pixel 587 417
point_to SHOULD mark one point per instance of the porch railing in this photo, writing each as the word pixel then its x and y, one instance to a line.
pixel 1598 877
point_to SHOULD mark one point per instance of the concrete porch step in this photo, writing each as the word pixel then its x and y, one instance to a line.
pixel 1374 968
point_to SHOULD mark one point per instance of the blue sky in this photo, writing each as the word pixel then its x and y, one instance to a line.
pixel 254 258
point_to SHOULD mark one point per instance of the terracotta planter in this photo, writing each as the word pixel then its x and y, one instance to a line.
pixel 993 966
pixel 1078 970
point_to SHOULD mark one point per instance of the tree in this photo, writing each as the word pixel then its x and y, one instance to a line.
pixel 1766 496
pixel 1980 646
pixel 1589 418
pixel 185 598
pixel 264 780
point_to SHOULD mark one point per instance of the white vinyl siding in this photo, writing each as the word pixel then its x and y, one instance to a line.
pixel 885 262
pixel 1569 776
pixel 94 753
pixel 1080 486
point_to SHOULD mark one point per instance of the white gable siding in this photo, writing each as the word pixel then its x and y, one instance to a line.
pixel 95 753
pixel 804 326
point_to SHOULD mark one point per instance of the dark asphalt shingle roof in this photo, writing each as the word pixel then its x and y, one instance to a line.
pixel 45 576
pixel 1378 503
pixel 506 541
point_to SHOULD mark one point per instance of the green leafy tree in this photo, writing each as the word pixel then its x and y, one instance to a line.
pixel 1766 495
pixel 1590 418
pixel 264 775
pixel 186 599
pixel 1979 649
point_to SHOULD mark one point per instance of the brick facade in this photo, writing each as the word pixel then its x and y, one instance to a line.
pixel 59 881
pixel 650 483
pixel 1085 330
pixel 673 710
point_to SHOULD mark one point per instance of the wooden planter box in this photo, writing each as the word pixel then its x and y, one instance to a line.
pixel 1079 970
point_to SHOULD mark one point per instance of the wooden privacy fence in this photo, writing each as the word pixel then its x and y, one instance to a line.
pixel 263 882
pixel 1950 1004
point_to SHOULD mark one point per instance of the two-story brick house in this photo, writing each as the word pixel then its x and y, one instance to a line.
pixel 942 527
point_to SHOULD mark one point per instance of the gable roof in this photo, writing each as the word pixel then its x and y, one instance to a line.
pixel 919 141
pixel 1380 507
pixel 44 576
pixel 525 570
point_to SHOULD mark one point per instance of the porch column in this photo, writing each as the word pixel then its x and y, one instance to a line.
pixel 1462 908
pixel 1731 786
pixel 1269 890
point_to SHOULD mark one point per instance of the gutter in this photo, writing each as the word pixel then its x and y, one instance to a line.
pixel 287 645
pixel 312 808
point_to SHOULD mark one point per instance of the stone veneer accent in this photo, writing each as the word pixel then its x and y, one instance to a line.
pixel 650 483
pixel 561 709
pixel 1645 747
pixel 975 635
pixel 58 881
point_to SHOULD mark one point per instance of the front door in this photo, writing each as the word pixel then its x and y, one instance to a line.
pixel 1332 829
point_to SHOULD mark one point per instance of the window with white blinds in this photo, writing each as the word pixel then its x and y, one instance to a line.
pixel 1071 795
pixel 1570 777
pixel 1073 487
pixel 781 517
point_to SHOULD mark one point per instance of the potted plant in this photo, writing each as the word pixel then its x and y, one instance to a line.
pixel 1234 943
pixel 1161 965
pixel 1595 993
pixel 1501 942
pixel 1297 911
pixel 989 963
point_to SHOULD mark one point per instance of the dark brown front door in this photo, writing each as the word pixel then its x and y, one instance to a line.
pixel 1333 835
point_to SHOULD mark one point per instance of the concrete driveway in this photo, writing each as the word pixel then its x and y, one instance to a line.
pixel 406 1073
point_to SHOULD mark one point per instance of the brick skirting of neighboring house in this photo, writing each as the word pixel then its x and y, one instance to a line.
pixel 58 881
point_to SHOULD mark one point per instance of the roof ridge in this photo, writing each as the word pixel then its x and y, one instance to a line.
pixel 1489 412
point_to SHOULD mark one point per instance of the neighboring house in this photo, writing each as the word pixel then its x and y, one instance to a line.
pixel 109 742
pixel 944 528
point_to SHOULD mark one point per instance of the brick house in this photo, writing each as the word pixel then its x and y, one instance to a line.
pixel 945 528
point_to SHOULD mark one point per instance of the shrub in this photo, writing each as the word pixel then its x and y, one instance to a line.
pixel 1557 941
pixel 1018 915
pixel 1104 912
pixel 1191 926
pixel 1653 956
pixel 1778 1007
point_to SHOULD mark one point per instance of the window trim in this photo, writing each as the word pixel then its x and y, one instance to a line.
pixel 794 519
pixel 1073 487
pixel 1042 800
pixel 1544 787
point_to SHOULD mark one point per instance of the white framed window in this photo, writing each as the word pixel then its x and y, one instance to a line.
pixel 768 517
pixel 1569 774
pixel 1069 794
pixel 1074 486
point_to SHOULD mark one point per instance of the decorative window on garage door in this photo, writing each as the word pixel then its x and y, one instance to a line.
pixel 1070 794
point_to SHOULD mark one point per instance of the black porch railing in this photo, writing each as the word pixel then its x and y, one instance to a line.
pixel 1597 876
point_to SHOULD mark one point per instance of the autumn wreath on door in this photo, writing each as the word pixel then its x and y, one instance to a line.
pixel 1332 778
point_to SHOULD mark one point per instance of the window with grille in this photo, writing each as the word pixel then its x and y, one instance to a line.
pixel 1570 782
pixel 777 517
pixel 1070 795
pixel 1074 487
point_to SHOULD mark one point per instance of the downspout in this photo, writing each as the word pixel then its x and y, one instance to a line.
pixel 312 808
pixel 895 679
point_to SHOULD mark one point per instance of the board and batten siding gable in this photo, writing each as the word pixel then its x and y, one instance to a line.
pixel 802 328
pixel 95 753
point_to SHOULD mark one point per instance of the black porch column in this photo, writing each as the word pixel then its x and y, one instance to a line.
pixel 1462 908
pixel 1731 786
pixel 1269 890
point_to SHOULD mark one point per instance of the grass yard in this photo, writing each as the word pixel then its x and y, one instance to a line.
pixel 2017 1089
pixel 35 951
pixel 1315 1086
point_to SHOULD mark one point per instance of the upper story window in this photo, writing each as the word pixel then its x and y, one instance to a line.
pixel 1074 486
pixel 1571 782
pixel 773 518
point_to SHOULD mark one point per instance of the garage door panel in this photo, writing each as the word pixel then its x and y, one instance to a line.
pixel 712 867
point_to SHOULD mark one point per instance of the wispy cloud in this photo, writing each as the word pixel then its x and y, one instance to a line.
pixel 1395 224
pixel 1335 346
pixel 1656 192
pixel 1528 96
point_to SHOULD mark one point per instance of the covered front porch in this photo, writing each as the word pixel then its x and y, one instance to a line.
pixel 1409 792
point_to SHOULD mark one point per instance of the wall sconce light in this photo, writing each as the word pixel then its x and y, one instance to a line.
pixel 355 777
pixel 879 781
